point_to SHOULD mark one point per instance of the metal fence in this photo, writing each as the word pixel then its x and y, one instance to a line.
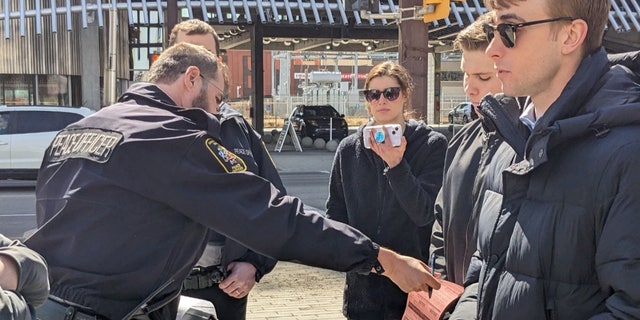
pixel 449 102
pixel 352 105
pixel 278 108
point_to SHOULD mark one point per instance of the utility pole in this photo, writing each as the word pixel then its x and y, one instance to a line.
pixel 413 54
pixel 172 19
pixel 257 71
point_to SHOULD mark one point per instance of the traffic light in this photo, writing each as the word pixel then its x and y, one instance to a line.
pixel 435 10
pixel 153 57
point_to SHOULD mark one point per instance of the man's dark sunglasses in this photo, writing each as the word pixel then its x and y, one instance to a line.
pixel 507 31
pixel 390 94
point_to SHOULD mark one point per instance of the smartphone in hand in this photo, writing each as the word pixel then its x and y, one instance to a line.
pixel 394 132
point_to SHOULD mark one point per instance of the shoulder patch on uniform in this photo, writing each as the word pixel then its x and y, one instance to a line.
pixel 91 144
pixel 229 161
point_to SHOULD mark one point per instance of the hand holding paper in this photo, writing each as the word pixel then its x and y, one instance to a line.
pixel 408 273
pixel 434 304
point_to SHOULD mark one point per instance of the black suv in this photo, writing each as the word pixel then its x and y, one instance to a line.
pixel 314 122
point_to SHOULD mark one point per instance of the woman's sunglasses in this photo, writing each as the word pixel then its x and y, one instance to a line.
pixel 391 94
pixel 507 31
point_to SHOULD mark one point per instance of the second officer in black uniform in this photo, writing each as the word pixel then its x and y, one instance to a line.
pixel 227 271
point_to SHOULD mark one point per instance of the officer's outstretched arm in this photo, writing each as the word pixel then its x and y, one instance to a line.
pixel 408 273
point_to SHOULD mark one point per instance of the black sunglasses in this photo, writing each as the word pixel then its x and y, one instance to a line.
pixel 507 31
pixel 391 94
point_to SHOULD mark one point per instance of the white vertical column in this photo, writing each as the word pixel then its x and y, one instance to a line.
pixel 90 48
pixel 112 49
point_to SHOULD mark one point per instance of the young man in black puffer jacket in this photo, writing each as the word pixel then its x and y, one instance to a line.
pixel 557 233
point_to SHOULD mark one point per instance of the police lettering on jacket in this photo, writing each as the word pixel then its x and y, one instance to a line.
pixel 91 144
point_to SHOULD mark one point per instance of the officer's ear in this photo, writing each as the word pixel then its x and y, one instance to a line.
pixel 190 76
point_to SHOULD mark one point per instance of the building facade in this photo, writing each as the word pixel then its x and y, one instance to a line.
pixel 56 59
pixel 59 52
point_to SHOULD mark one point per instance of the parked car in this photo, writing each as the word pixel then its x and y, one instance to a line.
pixel 26 132
pixel 315 121
pixel 461 114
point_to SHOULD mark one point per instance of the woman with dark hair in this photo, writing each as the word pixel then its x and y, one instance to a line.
pixel 387 192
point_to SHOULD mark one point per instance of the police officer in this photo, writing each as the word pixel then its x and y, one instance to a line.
pixel 227 271
pixel 125 199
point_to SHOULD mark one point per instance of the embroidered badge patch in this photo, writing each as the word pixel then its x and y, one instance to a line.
pixel 91 144
pixel 227 159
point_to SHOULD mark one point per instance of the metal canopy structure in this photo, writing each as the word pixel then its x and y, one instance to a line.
pixel 259 25
pixel 286 22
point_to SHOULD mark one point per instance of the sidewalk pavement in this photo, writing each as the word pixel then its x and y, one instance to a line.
pixel 293 291
pixel 309 160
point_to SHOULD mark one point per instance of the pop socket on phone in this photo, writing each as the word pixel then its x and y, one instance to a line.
pixel 379 136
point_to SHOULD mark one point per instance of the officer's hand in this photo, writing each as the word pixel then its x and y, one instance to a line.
pixel 408 273
pixel 241 279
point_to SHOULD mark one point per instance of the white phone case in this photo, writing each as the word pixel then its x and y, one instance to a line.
pixel 394 131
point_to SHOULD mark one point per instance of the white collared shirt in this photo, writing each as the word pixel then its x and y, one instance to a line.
pixel 528 116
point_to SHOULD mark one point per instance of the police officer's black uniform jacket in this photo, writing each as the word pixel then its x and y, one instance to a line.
pixel 125 198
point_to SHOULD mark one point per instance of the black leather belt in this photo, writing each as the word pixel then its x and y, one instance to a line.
pixel 55 310
pixel 202 278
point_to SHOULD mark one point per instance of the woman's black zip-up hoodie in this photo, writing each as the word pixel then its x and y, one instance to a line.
pixel 394 207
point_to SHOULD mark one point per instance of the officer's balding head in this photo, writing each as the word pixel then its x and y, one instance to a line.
pixel 184 71
pixel 174 61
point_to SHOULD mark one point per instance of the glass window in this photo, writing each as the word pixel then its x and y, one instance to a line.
pixel 327 112
pixel 76 91
pixel 17 89
pixel 53 90
pixel 4 122
pixel 309 112
pixel 43 121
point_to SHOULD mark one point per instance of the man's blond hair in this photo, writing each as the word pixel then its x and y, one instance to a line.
pixel 473 37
